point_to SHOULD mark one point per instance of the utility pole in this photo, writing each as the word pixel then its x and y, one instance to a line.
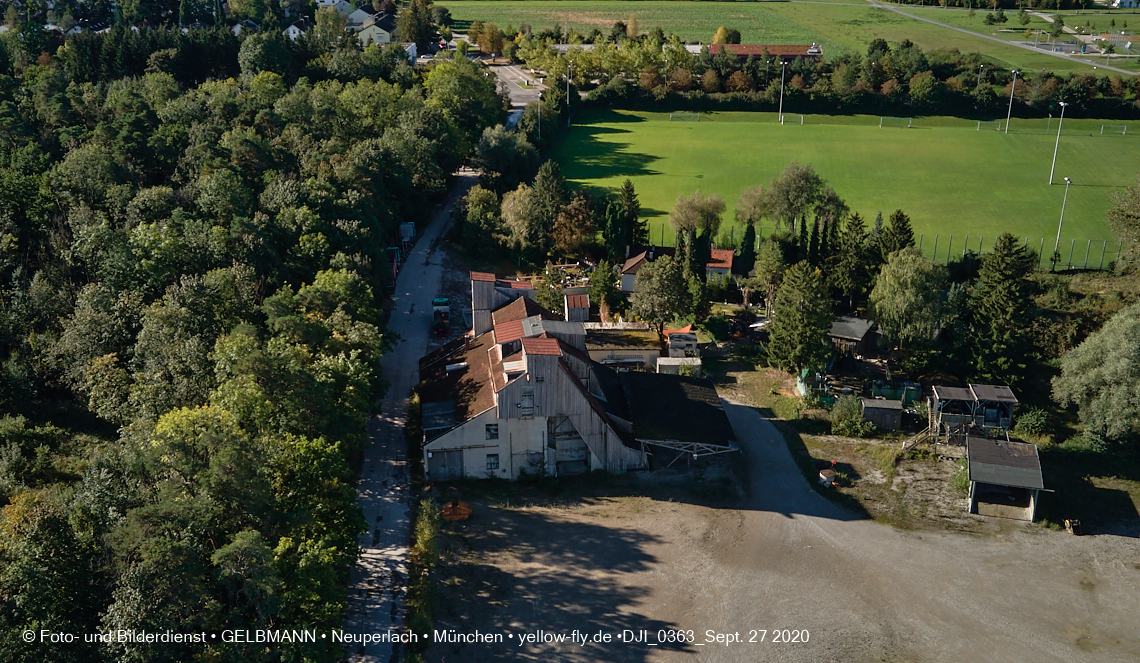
pixel 1011 90
pixel 1058 144
pixel 569 68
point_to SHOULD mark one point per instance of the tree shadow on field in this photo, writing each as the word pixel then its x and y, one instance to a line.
pixel 512 571
pixel 586 156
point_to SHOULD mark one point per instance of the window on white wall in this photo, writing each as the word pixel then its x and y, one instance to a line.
pixel 492 431
pixel 492 461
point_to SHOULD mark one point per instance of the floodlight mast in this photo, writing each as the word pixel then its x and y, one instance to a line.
pixel 784 67
pixel 1058 143
pixel 1064 201
pixel 1009 114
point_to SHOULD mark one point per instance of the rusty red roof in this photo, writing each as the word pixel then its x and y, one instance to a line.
pixel 720 259
pixel 512 330
pixel 523 307
pixel 578 301
pixel 744 50
pixel 482 276
pixel 541 346
pixel 514 285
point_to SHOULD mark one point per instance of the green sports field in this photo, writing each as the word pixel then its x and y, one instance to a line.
pixel 948 176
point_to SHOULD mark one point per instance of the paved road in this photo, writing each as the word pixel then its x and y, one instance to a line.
pixel 378 583
pixel 1000 41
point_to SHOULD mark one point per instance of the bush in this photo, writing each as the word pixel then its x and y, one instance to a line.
pixel 847 418
pixel 1033 421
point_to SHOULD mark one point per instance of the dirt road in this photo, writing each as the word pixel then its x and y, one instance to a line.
pixel 377 584
pixel 788 560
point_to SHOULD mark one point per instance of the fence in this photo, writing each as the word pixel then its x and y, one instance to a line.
pixel 1096 254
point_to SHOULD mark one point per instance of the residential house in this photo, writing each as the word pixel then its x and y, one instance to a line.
pixel 780 51
pixel 357 19
pixel 523 398
pixel 298 28
pixel 243 26
pixel 720 262
pixel 343 7
pixel 379 29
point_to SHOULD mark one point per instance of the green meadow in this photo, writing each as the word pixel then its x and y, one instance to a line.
pixel 838 26
pixel 951 178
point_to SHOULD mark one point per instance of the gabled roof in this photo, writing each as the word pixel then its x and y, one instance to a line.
pixel 541 346
pixel 720 259
pixel 512 330
pixel 852 329
pixel 523 307
pixel 674 407
pixel 634 263
pixel 1004 463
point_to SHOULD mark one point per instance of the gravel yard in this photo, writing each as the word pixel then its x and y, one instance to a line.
pixel 782 558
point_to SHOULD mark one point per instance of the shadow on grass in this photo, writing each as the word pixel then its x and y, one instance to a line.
pixel 1073 474
pixel 512 571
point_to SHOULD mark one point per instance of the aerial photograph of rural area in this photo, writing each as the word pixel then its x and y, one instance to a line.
pixel 570 331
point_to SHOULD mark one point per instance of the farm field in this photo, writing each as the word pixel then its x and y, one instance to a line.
pixel 948 176
pixel 839 27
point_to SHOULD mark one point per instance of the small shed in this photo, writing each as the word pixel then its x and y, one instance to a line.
pixel 577 308
pixel 683 344
pixel 1005 478
pixel 672 365
pixel 994 405
pixel 885 414
pixel 851 335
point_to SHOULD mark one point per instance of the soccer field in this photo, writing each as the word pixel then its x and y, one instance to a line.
pixel 948 176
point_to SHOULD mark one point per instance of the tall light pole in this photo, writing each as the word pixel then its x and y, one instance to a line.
pixel 782 70
pixel 569 68
pixel 1011 90
pixel 1058 144
pixel 1057 244
pixel 981 68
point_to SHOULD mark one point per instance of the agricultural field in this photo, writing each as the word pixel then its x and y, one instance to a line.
pixel 947 175
pixel 840 27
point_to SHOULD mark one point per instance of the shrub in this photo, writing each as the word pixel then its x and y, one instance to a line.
pixel 847 418
pixel 1033 421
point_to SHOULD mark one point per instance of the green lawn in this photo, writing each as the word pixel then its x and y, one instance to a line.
pixel 948 176
pixel 838 27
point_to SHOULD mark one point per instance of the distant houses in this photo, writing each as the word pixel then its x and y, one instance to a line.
pixel 720 263
pixel 781 51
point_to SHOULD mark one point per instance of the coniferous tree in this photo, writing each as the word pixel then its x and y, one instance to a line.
pixel 896 236
pixel 851 274
pixel 636 230
pixel 747 258
pixel 801 319
pixel 1001 312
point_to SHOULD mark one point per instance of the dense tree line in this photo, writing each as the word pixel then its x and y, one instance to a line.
pixel 653 68
pixel 190 330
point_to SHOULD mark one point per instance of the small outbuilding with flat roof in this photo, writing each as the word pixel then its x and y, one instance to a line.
pixel 1005 478
pixel 884 413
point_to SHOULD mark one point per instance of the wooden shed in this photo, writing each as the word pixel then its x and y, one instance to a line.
pixel 1005 478
pixel 577 308
pixel 885 414
pixel 851 335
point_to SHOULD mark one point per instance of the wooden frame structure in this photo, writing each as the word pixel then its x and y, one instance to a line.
pixel 956 411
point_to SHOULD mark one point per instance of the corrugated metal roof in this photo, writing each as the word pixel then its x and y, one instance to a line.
pixel 1004 463
pixel 993 392
pixel 577 301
